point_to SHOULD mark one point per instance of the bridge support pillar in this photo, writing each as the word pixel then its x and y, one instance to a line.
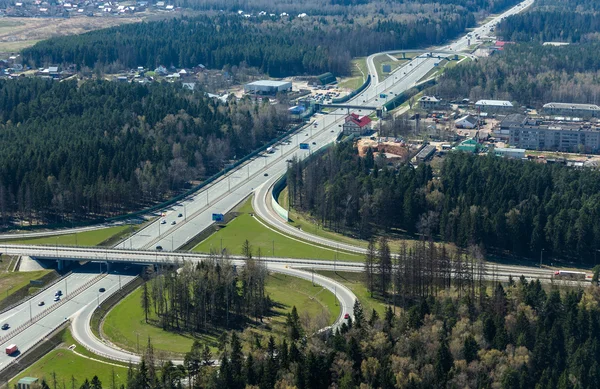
pixel 108 267
pixel 61 264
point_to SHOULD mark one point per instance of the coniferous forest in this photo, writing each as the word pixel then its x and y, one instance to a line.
pixel 100 148
pixel 505 205
pixel 278 49
pixel 517 336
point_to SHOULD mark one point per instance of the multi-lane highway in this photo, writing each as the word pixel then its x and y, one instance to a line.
pixel 187 218
pixel 87 279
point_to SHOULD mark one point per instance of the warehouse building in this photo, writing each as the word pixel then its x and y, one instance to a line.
pixel 268 87
pixel 533 134
pixel 573 110
pixel 494 106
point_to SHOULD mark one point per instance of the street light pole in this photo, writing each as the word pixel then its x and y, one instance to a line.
pixel 541 256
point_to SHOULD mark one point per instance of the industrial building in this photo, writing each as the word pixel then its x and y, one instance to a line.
pixel 509 152
pixel 573 110
pixel 268 87
pixel 425 153
pixel 554 135
pixel 494 106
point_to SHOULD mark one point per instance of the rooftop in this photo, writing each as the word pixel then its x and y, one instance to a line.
pixel 361 121
pixel 28 380
pixel 269 83
pixel 587 107
pixel 507 149
pixel 494 103
pixel 429 98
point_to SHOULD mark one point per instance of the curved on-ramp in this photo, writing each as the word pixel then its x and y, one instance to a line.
pixel 81 322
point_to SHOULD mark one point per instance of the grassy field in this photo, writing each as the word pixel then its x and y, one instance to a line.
pixel 354 282
pixel 11 282
pixel 18 33
pixel 384 59
pixel 67 365
pixel 359 74
pixel 271 243
pixel 126 321
pixel 86 238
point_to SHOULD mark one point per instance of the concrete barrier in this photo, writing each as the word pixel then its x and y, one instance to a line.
pixel 277 188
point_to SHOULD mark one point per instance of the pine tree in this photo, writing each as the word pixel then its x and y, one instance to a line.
pixel 470 348
pixel 443 361
pixel 359 315
pixel 293 325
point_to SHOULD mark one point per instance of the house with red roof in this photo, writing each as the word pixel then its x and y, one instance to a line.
pixel 356 125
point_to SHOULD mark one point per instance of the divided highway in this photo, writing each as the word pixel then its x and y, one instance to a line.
pixel 194 214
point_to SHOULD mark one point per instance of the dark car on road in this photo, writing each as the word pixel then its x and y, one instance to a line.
pixel 5 326
pixel 41 303
pixel 101 290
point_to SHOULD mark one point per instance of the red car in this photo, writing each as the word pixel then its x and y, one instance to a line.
pixel 347 316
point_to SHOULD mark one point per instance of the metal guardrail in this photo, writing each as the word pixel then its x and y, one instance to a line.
pixel 30 297
pixel 36 344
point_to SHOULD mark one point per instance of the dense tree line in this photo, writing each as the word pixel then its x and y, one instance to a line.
pixel 346 7
pixel 528 73
pixel 554 20
pixel 210 294
pixel 99 148
pixel 276 48
pixel 517 336
pixel 503 204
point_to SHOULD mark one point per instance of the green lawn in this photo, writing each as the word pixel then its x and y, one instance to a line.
pixel 125 322
pixel 384 59
pixel 354 282
pixel 11 282
pixel 66 364
pixel 358 76
pixel 247 227
pixel 86 238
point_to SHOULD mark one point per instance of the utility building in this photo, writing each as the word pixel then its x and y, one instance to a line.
pixel 268 87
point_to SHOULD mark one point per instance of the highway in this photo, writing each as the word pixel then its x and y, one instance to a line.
pixel 70 304
pixel 172 231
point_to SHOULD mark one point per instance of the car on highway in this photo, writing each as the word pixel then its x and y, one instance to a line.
pixel 101 290
pixel 180 215
pixel 173 222
pixel 41 303
pixel 159 248
pixel 57 298
pixel 314 143
pixel 266 174
pixel 347 316
pixel 163 222
pixel 5 326
pixel 58 293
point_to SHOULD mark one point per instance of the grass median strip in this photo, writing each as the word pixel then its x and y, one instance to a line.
pixel 270 242
pixel 85 238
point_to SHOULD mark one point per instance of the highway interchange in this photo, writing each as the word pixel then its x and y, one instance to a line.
pixel 220 197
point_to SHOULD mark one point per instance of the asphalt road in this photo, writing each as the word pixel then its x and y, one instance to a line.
pixel 223 195
pixel 40 328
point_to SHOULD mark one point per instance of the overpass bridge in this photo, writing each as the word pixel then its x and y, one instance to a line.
pixel 155 257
